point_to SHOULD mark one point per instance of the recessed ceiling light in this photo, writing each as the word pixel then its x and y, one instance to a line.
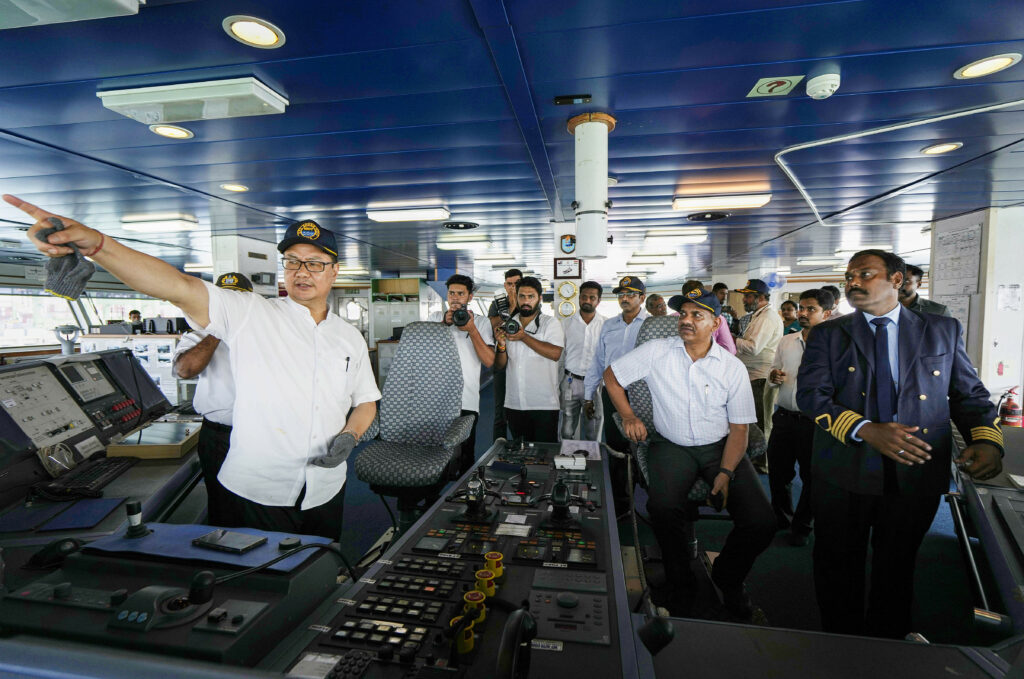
pixel 237 188
pixel 424 214
pixel 727 202
pixel 945 147
pixel 253 31
pixel 171 131
pixel 987 66
pixel 460 226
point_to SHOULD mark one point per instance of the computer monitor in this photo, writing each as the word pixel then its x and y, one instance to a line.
pixel 116 329
pixel 159 325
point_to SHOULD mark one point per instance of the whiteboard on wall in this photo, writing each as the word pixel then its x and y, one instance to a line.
pixel 956 263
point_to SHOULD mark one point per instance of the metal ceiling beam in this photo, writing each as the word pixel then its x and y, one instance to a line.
pixel 492 18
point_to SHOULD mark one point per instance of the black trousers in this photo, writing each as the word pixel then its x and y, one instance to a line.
pixel 500 421
pixel 325 520
pixel 790 443
pixel 673 470
pixel 757 386
pixel 844 522
pixel 533 425
pixel 467 451
pixel 214 441
pixel 616 466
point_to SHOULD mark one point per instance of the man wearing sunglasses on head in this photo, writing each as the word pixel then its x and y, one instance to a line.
pixel 298 369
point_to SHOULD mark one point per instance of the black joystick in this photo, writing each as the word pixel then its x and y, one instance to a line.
pixel 200 590
pixel 524 483
pixel 475 494
pixel 560 497
pixel 136 528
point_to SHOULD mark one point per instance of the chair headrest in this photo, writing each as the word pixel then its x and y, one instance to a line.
pixel 658 327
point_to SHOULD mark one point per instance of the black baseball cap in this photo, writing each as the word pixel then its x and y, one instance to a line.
pixel 308 231
pixel 755 285
pixel 630 284
pixel 234 281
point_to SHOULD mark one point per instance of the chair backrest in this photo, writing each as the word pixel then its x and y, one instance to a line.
pixel 423 391
pixel 654 327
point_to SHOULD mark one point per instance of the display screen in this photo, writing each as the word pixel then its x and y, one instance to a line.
pixel 72 374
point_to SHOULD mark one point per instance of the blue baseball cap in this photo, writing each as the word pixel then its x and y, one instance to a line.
pixel 308 231
pixel 630 284
pixel 755 285
pixel 701 297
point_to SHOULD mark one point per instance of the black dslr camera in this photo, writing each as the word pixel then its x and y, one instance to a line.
pixel 460 317
pixel 508 324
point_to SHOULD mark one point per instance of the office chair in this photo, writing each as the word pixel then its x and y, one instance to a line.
pixel 420 425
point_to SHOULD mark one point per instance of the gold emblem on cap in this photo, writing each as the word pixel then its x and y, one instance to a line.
pixel 695 293
pixel 229 280
pixel 624 282
pixel 308 230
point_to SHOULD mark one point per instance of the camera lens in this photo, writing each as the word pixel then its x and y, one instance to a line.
pixel 460 317
pixel 511 326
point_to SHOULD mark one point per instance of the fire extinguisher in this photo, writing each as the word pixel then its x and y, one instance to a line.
pixel 1009 410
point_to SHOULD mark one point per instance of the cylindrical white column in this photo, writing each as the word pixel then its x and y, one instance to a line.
pixel 591 205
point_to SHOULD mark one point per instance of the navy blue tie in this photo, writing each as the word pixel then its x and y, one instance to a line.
pixel 885 388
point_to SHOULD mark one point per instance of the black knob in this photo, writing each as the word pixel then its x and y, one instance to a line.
pixel 201 589
pixel 567 600
pixel 62 591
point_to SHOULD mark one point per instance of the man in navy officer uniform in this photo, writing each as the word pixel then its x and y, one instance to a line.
pixel 882 384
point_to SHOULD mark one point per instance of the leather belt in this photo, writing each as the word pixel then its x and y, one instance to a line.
pixel 574 375
pixel 792 413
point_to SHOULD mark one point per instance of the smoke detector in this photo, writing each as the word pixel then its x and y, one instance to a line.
pixel 823 86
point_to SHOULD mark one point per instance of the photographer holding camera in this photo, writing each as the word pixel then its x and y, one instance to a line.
pixel 530 344
pixel 475 344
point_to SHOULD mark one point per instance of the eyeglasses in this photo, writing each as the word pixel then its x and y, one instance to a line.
pixel 312 265
pixel 628 295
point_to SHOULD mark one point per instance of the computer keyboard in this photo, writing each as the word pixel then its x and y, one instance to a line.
pixel 93 475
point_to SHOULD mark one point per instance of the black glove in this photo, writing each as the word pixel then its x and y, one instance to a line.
pixel 65 276
pixel 338 451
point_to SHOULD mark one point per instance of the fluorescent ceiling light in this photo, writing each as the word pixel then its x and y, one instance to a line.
pixel 681 231
pixel 640 261
pixel 839 268
pixel 198 267
pixel 506 266
pixel 171 131
pixel 987 66
pixel 691 239
pixel 495 256
pixel 945 147
pixel 236 188
pixel 464 242
pixel 727 202
pixel 253 31
pixel 38 13
pixel 851 251
pixel 637 254
pixel 344 273
pixel 421 214
pixel 212 99
pixel 784 270
pixel 156 222
pixel 821 261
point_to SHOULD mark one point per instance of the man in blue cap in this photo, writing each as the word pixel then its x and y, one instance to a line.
pixel 298 370
pixel 702 407
pixel 618 337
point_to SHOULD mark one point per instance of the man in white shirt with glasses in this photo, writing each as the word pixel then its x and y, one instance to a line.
pixel 298 371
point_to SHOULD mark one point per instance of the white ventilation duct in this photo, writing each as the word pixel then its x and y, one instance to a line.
pixel 591 205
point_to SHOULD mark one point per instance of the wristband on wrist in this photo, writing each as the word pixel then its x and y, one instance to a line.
pixel 728 472
pixel 98 247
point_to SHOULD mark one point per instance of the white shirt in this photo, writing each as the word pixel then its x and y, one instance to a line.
pixel 756 348
pixel 295 381
pixel 617 338
pixel 787 358
pixel 694 402
pixel 215 391
pixel 468 357
pixel 581 342
pixel 531 381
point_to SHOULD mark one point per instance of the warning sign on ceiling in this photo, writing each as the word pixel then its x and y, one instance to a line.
pixel 774 87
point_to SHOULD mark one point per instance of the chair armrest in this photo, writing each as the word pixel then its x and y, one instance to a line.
pixel 458 431
pixel 372 431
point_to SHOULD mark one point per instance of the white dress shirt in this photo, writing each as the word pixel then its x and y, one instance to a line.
pixel 756 347
pixel 694 401
pixel 581 342
pixel 616 339
pixel 215 391
pixel 531 381
pixel 295 382
pixel 892 336
pixel 787 358
pixel 468 357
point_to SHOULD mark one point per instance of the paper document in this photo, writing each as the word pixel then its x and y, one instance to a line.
pixel 591 448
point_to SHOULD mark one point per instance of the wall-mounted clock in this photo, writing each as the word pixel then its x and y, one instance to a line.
pixel 566 308
pixel 566 289
pixel 567 267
